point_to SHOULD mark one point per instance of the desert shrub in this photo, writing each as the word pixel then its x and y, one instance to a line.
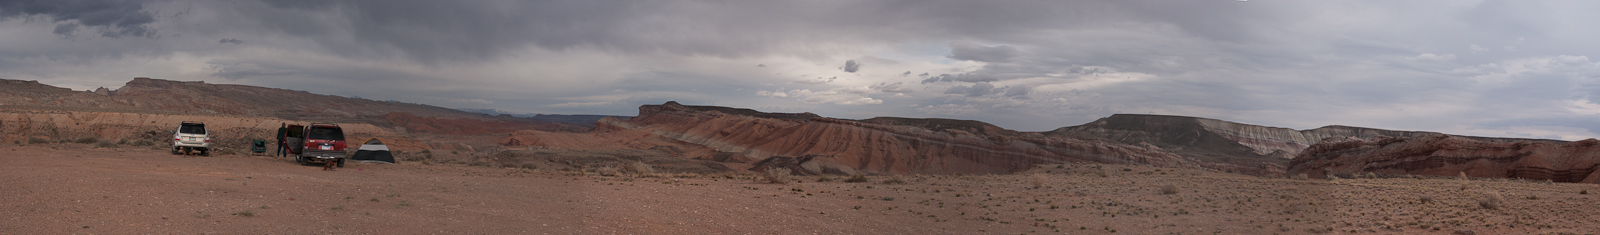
pixel 1301 176
pixel 857 179
pixel 1169 189
pixel 530 165
pixel 1585 191
pixel 122 141
pixel 1038 181
pixel 1425 199
pixel 1371 175
pixel 1103 172
pixel 639 167
pixel 894 180
pixel 826 178
pixel 1491 200
pixel 777 175
pixel 228 152
pixel 143 142
pixel 479 163
pixel 607 171
pixel 86 140
pixel 105 144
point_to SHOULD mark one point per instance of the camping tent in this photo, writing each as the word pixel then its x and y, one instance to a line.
pixel 373 151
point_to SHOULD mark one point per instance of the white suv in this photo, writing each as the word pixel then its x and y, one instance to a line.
pixel 191 135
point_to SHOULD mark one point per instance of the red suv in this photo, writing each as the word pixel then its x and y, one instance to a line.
pixel 316 143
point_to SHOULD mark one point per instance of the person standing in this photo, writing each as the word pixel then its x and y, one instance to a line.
pixel 283 129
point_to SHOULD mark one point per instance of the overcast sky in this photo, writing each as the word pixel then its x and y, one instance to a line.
pixel 1488 68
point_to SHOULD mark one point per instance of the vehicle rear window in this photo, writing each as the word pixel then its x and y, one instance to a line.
pixel 192 129
pixel 326 133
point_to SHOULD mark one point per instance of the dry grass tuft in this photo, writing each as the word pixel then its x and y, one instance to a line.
pixel 826 178
pixel 857 179
pixel 1038 181
pixel 776 175
pixel 1491 200
pixel 1169 189
pixel 1301 176
pixel 86 140
pixel 143 142
pixel 641 168
pixel 607 171
pixel 1425 199
pixel 105 144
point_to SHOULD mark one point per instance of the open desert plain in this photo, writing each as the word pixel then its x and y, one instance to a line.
pixel 70 188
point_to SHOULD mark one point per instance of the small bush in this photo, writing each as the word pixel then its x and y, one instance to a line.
pixel 1585 191
pixel 1038 181
pixel 1491 200
pixel 86 140
pixel 639 167
pixel 894 180
pixel 122 141
pixel 1103 172
pixel 530 165
pixel 143 142
pixel 777 175
pixel 105 144
pixel 37 140
pixel 857 179
pixel 1301 176
pixel 479 163
pixel 607 171
pixel 245 214
pixel 1169 189
pixel 1425 199
pixel 826 178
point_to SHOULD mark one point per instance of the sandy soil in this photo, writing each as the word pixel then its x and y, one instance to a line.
pixel 76 189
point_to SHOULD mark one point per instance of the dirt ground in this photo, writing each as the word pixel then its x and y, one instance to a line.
pixel 77 189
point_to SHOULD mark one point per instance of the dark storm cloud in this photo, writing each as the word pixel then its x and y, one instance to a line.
pixel 230 40
pixel 851 66
pixel 114 19
pixel 974 52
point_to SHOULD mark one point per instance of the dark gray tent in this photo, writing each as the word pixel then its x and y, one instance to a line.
pixel 373 151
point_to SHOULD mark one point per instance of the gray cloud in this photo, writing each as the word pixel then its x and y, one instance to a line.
pixel 975 90
pixel 230 40
pixel 114 19
pixel 896 87
pixel 963 50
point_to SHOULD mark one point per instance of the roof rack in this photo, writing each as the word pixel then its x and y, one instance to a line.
pixel 323 124
pixel 193 122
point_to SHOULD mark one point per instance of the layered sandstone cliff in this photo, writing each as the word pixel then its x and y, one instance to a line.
pixel 1210 138
pixel 1444 155
pixel 891 145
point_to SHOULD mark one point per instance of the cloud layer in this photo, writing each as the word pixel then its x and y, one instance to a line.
pixel 1493 68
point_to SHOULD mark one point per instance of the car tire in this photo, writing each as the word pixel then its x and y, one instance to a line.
pixel 298 159
pixel 205 153
pixel 340 164
pixel 175 151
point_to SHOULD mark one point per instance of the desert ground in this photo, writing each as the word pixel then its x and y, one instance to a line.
pixel 68 188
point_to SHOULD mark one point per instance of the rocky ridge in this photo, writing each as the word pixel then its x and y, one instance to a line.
pixel 1445 155
pixel 887 145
